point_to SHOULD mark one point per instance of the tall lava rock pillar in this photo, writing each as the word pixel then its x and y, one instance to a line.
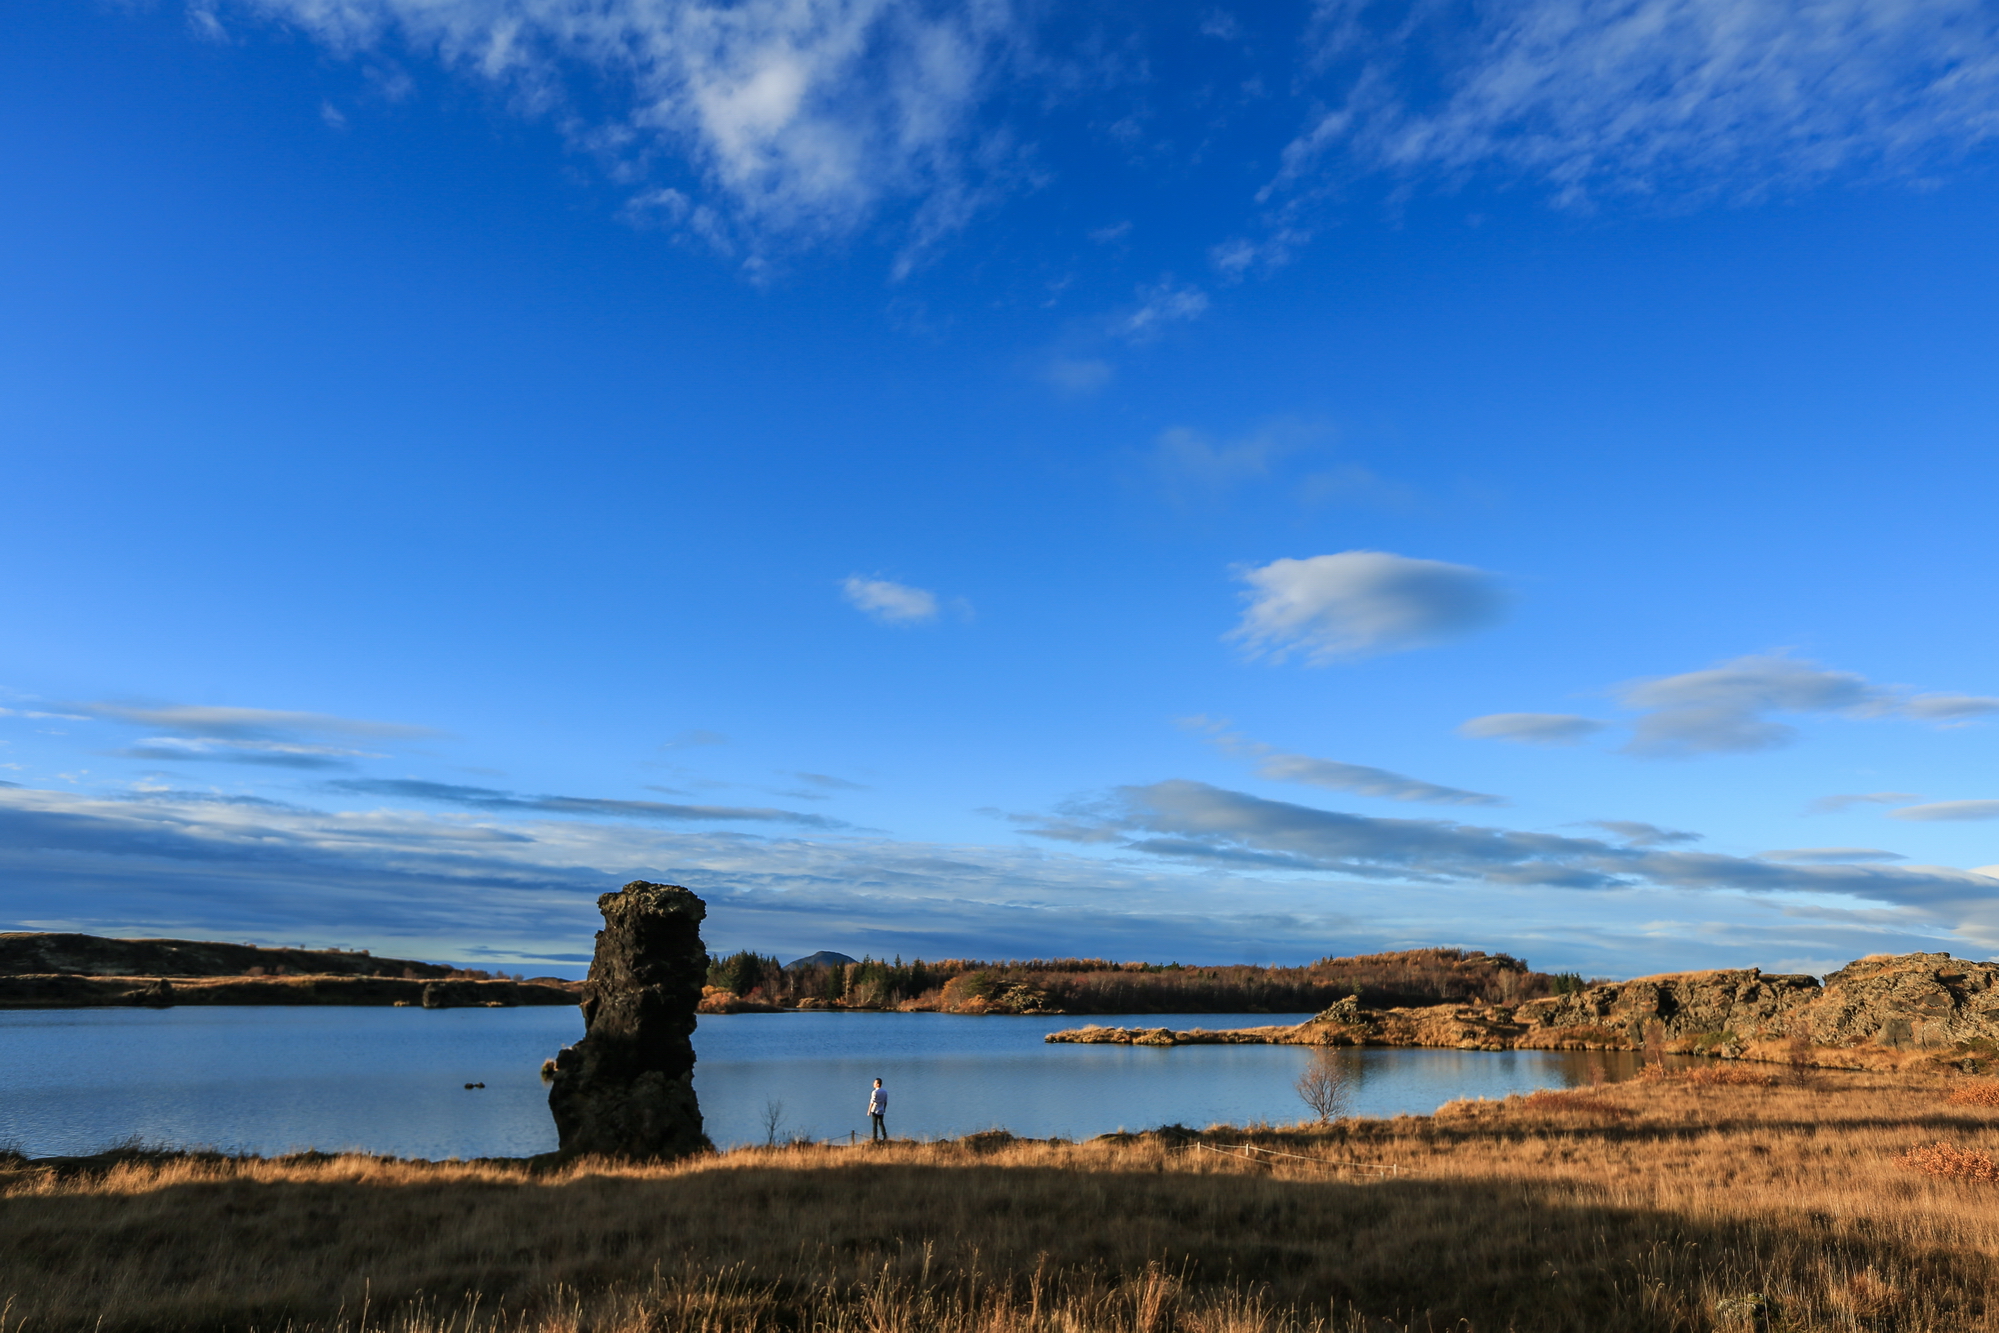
pixel 627 1088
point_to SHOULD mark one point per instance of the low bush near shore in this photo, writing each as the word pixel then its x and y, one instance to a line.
pixel 1693 1210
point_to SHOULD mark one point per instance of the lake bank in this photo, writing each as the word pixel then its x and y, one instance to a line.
pixel 1664 1204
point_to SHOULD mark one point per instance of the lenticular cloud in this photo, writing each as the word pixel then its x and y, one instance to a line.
pixel 1360 603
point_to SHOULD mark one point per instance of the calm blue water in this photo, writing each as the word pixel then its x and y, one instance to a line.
pixel 391 1081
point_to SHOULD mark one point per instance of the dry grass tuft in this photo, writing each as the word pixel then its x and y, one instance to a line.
pixel 1975 1094
pixel 1576 1101
pixel 1726 1076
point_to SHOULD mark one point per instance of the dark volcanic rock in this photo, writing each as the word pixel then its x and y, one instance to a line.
pixel 466 994
pixel 627 1088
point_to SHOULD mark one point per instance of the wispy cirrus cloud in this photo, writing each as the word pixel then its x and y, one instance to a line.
pixel 1193 821
pixel 1835 855
pixel 1839 804
pixel 1532 728
pixel 247 724
pixel 1948 810
pixel 1361 603
pixel 790 118
pixel 1636 833
pixel 493 799
pixel 1668 99
pixel 1332 774
pixel 261 737
pixel 752 127
pixel 1159 306
pixel 505 884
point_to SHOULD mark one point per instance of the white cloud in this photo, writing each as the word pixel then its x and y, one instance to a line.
pixel 521 874
pixel 801 117
pixel 244 724
pixel 1194 822
pixel 1655 97
pixel 1638 834
pixel 1159 304
pixel 890 603
pixel 1359 603
pixel 1833 805
pixel 1838 855
pixel 1727 708
pixel 1362 779
pixel 1531 728
pixel 1948 709
pixel 1948 810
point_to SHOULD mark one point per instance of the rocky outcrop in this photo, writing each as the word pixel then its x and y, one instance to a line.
pixel 1912 1001
pixel 1922 1001
pixel 1722 1010
pixel 627 1088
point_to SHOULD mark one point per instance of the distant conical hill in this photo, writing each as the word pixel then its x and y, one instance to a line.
pixel 824 958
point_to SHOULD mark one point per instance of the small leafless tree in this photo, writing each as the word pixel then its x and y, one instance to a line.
pixel 1655 1044
pixel 1802 1056
pixel 773 1119
pixel 1327 1085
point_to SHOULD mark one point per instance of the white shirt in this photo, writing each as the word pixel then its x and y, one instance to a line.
pixel 877 1101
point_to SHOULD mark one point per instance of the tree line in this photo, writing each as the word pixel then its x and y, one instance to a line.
pixel 1404 979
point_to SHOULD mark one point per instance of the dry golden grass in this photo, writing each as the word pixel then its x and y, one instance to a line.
pixel 1702 1206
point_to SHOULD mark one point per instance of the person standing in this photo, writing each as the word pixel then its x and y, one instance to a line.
pixel 877 1108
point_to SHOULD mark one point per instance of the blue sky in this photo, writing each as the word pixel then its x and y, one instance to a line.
pixel 1170 481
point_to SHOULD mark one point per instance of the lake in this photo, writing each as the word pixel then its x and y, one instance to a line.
pixel 391 1081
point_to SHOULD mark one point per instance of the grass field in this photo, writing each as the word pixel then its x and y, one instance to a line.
pixel 1670 1204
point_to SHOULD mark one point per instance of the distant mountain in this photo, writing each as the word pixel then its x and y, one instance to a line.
pixel 824 958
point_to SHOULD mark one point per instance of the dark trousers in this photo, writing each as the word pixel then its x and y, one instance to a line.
pixel 877 1131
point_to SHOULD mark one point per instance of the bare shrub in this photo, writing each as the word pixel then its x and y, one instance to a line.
pixel 1655 1044
pixel 1327 1085
pixel 1803 1058
pixel 1975 1094
pixel 1948 1163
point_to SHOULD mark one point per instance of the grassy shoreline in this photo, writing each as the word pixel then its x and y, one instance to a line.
pixel 1678 1203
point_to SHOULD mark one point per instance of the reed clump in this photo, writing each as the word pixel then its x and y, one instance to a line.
pixel 1698 1206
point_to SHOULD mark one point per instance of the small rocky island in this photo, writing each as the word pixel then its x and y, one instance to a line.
pixel 50 970
pixel 1927 1002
